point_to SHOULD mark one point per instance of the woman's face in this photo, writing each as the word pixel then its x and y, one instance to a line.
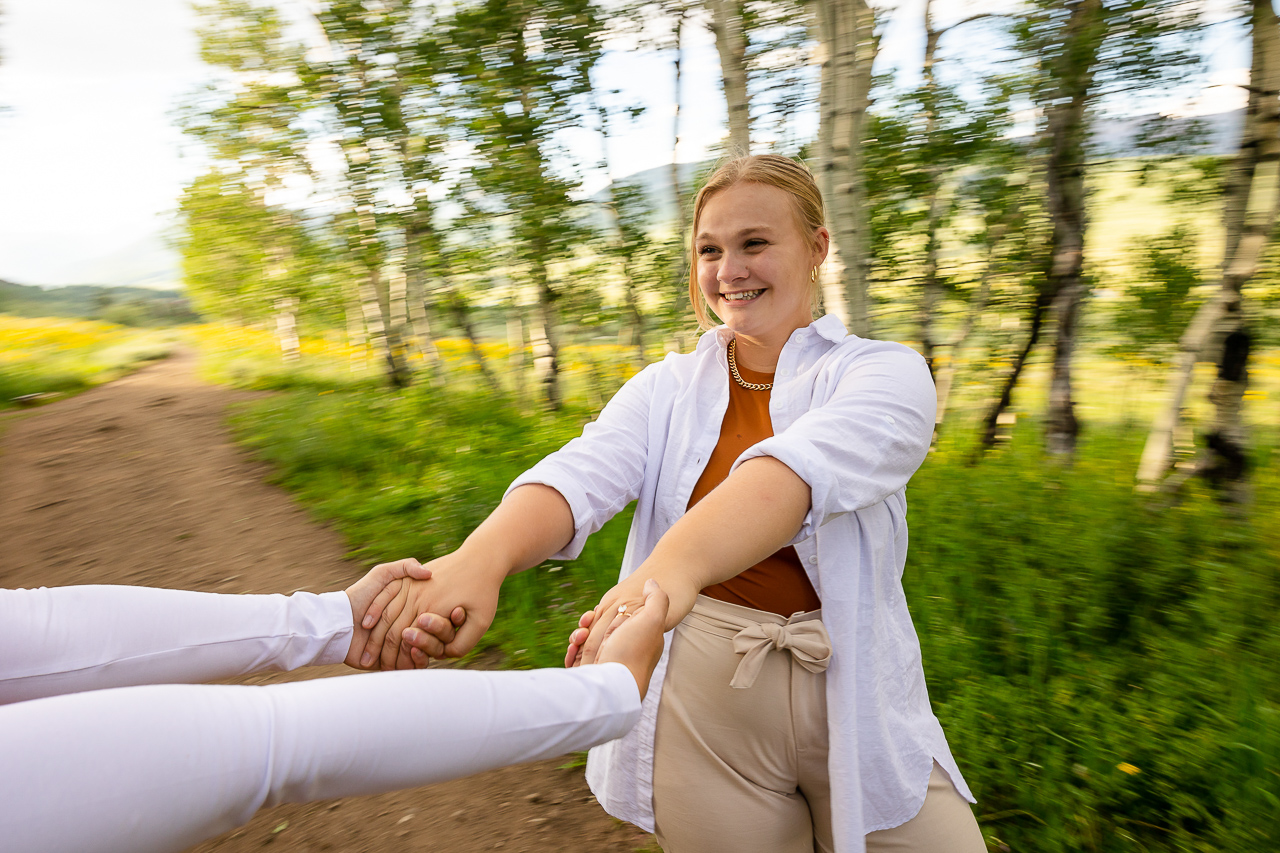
pixel 754 261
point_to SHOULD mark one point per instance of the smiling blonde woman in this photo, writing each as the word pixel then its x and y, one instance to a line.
pixel 769 469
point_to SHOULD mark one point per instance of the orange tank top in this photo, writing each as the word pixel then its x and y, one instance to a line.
pixel 777 583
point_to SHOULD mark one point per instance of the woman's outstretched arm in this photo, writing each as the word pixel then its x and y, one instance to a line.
pixel 532 523
pixel 758 509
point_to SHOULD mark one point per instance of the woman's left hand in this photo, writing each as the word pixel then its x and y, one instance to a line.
pixel 626 597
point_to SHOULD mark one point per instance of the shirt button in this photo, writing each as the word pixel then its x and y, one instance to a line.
pixel 890 419
pixel 813 560
pixel 784 372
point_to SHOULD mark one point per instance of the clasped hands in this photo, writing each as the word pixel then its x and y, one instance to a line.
pixel 413 613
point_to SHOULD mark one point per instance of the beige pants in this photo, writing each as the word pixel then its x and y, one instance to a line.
pixel 742 770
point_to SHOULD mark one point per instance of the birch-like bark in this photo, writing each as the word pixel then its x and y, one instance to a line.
pixel 844 30
pixel 357 337
pixel 462 316
pixel 680 261
pixel 1251 203
pixel 990 424
pixel 375 328
pixel 420 332
pixel 731 43
pixel 515 346
pixel 398 313
pixel 930 289
pixel 1065 199
pixel 545 340
pixel 931 286
pixel 287 328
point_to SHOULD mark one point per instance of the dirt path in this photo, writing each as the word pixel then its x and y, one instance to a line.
pixel 137 482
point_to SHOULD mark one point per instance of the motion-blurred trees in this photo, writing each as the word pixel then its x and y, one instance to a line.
pixel 516 69
pixel 1251 202
pixel 1085 52
pixel 406 165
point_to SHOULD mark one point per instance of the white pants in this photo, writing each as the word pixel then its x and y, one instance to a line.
pixel 162 767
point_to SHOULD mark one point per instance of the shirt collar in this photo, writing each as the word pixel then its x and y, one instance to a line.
pixel 827 327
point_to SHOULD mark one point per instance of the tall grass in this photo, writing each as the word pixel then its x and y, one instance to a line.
pixel 1103 666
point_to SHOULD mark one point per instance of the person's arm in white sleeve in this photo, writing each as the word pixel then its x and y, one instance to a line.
pixel 159 768
pixel 71 639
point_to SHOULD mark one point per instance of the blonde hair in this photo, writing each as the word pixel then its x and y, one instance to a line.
pixel 771 170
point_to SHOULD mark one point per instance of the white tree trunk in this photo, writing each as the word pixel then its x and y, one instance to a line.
pixel 515 346
pixel 731 42
pixel 420 326
pixel 357 338
pixel 844 30
pixel 1064 134
pixel 680 261
pixel 374 323
pixel 545 340
pixel 948 364
pixel 287 328
pixel 1251 204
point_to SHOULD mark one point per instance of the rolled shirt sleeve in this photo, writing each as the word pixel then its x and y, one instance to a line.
pixel 863 442
pixel 602 470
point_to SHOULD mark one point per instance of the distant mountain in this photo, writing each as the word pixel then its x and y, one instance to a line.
pixel 1216 134
pixel 136 306
pixel 655 187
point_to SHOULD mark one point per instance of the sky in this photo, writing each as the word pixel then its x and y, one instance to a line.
pixel 91 163
pixel 89 157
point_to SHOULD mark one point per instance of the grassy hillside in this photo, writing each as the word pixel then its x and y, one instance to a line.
pixel 129 306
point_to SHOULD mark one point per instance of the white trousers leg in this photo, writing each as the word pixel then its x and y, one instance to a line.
pixel 159 768
pixel 69 639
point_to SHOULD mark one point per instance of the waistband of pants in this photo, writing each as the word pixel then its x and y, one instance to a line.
pixel 727 620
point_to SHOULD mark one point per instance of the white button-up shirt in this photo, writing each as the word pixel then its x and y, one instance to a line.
pixel 853 419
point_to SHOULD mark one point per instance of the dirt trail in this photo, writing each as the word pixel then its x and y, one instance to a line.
pixel 138 482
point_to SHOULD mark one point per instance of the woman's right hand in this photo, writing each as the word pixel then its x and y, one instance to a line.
pixel 444 616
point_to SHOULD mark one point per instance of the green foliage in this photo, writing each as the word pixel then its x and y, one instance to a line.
pixel 1159 305
pixel 1103 667
pixel 241 257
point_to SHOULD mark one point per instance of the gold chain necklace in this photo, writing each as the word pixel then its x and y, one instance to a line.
pixel 737 377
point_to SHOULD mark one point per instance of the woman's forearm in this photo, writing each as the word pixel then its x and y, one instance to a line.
pixel 531 524
pixel 749 516
pixel 758 509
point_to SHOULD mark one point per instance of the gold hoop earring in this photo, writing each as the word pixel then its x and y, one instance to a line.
pixel 813 274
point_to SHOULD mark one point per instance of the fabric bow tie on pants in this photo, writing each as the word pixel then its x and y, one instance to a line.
pixel 807 641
